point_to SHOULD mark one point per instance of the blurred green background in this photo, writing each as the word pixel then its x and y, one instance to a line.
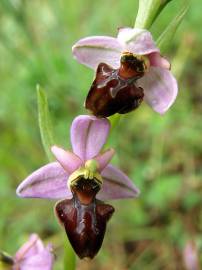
pixel 162 154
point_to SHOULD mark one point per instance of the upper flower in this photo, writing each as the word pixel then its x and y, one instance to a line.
pixel 55 180
pixel 160 86
pixel 33 256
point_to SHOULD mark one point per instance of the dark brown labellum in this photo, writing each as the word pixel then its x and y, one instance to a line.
pixel 85 224
pixel 84 217
pixel 115 90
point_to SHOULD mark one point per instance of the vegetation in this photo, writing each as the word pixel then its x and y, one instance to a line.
pixel 162 154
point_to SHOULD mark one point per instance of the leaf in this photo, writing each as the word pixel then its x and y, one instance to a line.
pixel 148 11
pixel 44 122
pixel 166 37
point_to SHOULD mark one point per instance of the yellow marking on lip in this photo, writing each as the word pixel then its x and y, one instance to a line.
pixel 85 173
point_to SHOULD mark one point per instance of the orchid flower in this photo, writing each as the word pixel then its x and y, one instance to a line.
pixel 88 135
pixel 33 255
pixel 159 85
pixel 76 178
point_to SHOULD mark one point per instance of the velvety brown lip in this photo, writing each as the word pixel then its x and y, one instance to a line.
pixel 112 93
pixel 84 217
pixel 85 225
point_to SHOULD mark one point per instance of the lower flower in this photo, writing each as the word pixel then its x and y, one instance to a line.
pixel 80 179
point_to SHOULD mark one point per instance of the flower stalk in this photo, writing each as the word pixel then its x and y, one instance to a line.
pixel 148 12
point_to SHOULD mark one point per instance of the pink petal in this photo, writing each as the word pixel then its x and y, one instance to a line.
pixel 116 185
pixel 30 248
pixel 104 158
pixel 50 182
pixel 160 88
pixel 43 260
pixel 191 256
pixel 68 160
pixel 88 135
pixel 137 41
pixel 157 60
pixel 93 50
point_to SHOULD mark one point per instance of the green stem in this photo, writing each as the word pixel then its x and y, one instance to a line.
pixel 148 11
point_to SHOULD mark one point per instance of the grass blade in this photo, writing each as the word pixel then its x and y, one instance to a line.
pixel 163 42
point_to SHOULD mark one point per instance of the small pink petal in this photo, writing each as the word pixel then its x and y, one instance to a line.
pixel 88 135
pixel 30 248
pixel 157 60
pixel 43 260
pixel 33 255
pixel 68 160
pixel 50 182
pixel 160 88
pixel 116 185
pixel 104 158
pixel 191 256
pixel 93 50
pixel 137 41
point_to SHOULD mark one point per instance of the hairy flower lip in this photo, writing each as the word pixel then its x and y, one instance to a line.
pixel 160 93
pixel 115 90
pixel 85 224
